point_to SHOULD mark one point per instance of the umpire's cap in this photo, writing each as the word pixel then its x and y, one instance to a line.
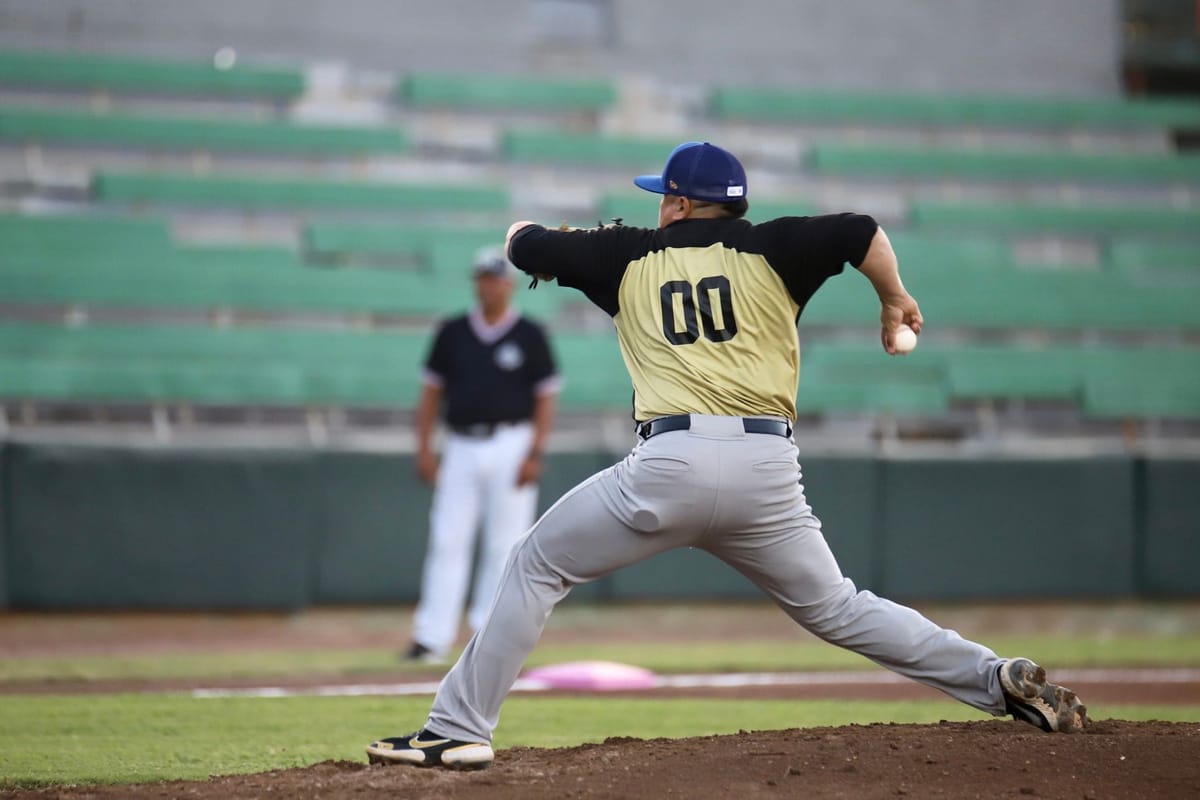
pixel 492 261
pixel 699 171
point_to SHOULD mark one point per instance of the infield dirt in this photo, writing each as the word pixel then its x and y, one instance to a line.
pixel 991 759
pixel 1001 759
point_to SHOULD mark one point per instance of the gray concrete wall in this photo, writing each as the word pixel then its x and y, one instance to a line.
pixel 1024 46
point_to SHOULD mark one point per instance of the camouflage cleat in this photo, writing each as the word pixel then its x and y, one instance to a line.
pixel 425 749
pixel 1029 697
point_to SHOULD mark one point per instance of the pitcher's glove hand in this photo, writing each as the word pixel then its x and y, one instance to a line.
pixel 539 277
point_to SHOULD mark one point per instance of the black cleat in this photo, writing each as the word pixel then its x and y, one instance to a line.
pixel 419 653
pixel 425 749
pixel 1029 697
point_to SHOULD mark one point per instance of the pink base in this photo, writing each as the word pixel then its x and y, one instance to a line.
pixel 595 676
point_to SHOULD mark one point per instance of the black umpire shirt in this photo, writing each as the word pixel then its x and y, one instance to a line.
pixel 488 379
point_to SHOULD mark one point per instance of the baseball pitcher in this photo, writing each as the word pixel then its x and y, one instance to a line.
pixel 705 308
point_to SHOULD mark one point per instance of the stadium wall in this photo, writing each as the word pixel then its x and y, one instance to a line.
pixel 1069 47
pixel 127 527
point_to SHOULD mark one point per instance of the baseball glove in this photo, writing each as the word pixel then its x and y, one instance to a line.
pixel 533 284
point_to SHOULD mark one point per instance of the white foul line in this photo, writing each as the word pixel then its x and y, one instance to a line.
pixel 706 681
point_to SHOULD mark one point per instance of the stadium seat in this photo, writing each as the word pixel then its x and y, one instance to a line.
pixel 222 191
pixel 266 281
pixel 997 373
pixel 1155 260
pixel 585 149
pixel 940 110
pixel 488 92
pixel 444 252
pixel 922 253
pixel 179 364
pixel 85 72
pixel 127 131
pixel 434 247
pixel 1004 166
pixel 821 395
pixel 871 383
pixel 994 299
pixel 1142 395
pixel 1109 221
pixel 594 374
pixel 1101 381
pixel 270 366
pixel 1145 383
pixel 63 234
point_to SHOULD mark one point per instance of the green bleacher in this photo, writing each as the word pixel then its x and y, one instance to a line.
pixel 70 234
pixel 131 263
pixel 1023 299
pixel 225 191
pixel 830 386
pixel 439 249
pixel 585 149
pixel 1155 259
pixel 268 366
pixel 487 92
pixel 298 367
pixel 594 374
pixel 1101 381
pixel 85 72
pixel 941 251
pixel 1007 166
pixel 939 110
pixel 1142 393
pixel 368 248
pixel 1114 221
pixel 287 367
pixel 446 253
pixel 38 126
pixel 204 282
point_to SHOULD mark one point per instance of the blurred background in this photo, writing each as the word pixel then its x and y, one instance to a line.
pixel 227 229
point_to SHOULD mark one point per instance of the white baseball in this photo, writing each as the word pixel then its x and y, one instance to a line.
pixel 904 339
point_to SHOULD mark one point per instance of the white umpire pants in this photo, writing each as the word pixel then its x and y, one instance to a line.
pixel 476 483
pixel 736 495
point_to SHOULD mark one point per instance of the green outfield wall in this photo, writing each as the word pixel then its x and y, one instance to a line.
pixel 143 527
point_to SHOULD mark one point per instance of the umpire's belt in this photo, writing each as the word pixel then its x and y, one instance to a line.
pixel 482 430
pixel 683 422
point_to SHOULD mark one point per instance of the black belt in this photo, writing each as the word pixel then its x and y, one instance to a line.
pixel 482 430
pixel 683 422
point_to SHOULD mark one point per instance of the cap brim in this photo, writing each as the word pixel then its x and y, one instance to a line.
pixel 651 183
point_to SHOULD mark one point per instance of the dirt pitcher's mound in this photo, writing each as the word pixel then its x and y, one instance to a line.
pixel 997 759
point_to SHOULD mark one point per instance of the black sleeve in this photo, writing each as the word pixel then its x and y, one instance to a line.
pixel 541 356
pixel 438 360
pixel 804 251
pixel 591 260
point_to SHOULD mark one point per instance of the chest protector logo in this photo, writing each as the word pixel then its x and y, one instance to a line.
pixel 508 356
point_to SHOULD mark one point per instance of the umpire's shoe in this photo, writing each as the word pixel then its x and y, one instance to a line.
pixel 425 749
pixel 1029 697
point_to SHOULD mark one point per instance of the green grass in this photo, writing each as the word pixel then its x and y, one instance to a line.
pixel 124 738
pixel 153 737
pixel 743 656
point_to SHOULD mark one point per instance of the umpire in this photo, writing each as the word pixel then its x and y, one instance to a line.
pixel 492 374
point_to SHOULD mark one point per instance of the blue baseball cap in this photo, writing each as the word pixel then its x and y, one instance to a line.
pixel 699 171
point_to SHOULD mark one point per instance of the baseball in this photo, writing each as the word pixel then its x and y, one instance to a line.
pixel 905 339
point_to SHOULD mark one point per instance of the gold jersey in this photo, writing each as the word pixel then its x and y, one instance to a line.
pixel 705 309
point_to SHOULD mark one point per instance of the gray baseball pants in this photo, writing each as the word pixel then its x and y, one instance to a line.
pixel 717 488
